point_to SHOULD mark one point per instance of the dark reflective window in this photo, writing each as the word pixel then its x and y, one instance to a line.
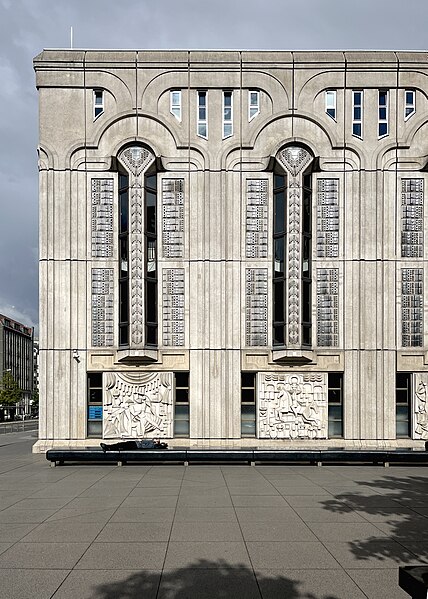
pixel 279 245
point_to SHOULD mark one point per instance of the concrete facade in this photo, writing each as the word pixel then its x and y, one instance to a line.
pixel 237 173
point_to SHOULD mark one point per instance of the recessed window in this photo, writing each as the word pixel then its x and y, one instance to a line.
pixel 181 409
pixel 253 103
pixel 98 102
pixel 227 114
pixel 330 103
pixel 335 404
pixel 202 115
pixel 402 404
pixel 248 404
pixel 95 404
pixel 357 113
pixel 410 106
pixel 175 103
pixel 279 245
pixel 123 259
pixel 383 113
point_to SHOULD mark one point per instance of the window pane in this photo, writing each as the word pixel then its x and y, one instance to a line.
pixel 151 334
pixel 181 412
pixel 123 335
pixel 357 97
pixel 123 201
pixel 278 181
pixel 382 114
pixel 248 429
pixel 334 428
pixel 278 288
pixel 402 380
pixel 356 129
pixel 150 182
pixel 175 98
pixel 382 98
pixel 278 335
pixel 227 130
pixel 95 428
pixel 181 379
pixel 254 98
pixel 202 98
pixel 182 395
pixel 247 395
pixel 331 112
pixel 279 212
pixel 151 301
pixel 409 97
pixel 95 379
pixel 357 113
pixel 248 412
pixel 181 428
pixel 248 379
pixel 335 379
pixel 202 129
pixel 228 113
pixel 402 429
pixel 95 396
pixel 279 256
pixel 402 413
pixel 335 412
pixel 383 129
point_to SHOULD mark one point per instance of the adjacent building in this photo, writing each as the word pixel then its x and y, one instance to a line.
pixel 16 357
pixel 233 247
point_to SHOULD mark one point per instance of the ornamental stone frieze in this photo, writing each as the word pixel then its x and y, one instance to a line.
pixel 138 405
pixel 420 400
pixel 292 405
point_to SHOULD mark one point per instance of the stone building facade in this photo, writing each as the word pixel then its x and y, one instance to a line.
pixel 233 247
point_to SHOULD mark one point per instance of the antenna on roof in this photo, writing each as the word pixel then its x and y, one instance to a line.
pixel 71 37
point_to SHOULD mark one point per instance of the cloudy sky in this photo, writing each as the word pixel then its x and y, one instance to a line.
pixel 28 26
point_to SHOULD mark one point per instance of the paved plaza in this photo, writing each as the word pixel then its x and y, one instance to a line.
pixel 175 532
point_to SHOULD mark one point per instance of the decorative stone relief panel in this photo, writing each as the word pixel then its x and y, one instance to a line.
pixel 327 307
pixel 257 218
pixel 173 306
pixel 138 404
pixel 102 307
pixel 412 307
pixel 136 159
pixel 412 218
pixel 173 218
pixel 328 218
pixel 295 160
pixel 292 405
pixel 420 405
pixel 256 308
pixel 102 218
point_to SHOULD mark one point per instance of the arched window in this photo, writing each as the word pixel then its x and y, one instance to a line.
pixel 292 243
pixel 138 272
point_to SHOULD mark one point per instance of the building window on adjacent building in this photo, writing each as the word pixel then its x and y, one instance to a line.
pixel 151 271
pixel 403 404
pixel 227 114
pixel 330 103
pixel 253 103
pixel 248 404
pixel 123 259
pixel 307 261
pixel 357 113
pixel 410 103
pixel 383 113
pixel 98 102
pixel 175 103
pixel 279 243
pixel 181 409
pixel 95 404
pixel 202 115
pixel 335 404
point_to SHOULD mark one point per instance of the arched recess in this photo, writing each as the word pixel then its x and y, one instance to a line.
pixel 292 243
pixel 138 270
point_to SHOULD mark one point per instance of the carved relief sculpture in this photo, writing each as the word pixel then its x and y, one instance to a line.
pixel 102 302
pixel 412 218
pixel 292 405
pixel 256 313
pixel 138 405
pixel 328 218
pixel 136 160
pixel 102 218
pixel 420 402
pixel 327 307
pixel 173 218
pixel 257 218
pixel 412 307
pixel 173 306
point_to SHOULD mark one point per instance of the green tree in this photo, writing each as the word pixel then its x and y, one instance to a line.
pixel 35 400
pixel 10 393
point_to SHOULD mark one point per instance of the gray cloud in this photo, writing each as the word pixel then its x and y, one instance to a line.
pixel 28 26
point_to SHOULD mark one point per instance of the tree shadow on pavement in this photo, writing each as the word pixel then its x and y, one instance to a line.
pixel 204 579
pixel 398 507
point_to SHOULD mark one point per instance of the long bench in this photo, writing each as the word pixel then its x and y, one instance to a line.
pixel 252 456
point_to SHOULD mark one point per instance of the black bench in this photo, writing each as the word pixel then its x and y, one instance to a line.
pixel 414 580
pixel 243 455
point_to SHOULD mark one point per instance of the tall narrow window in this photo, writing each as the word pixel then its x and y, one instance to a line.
pixel 248 404
pixel 151 273
pixel 98 102
pixel 402 404
pixel 95 404
pixel 227 114
pixel 279 243
pixel 335 404
pixel 253 103
pixel 175 103
pixel 123 259
pixel 383 113
pixel 181 408
pixel 410 105
pixel 330 103
pixel 307 261
pixel 202 115
pixel 357 113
